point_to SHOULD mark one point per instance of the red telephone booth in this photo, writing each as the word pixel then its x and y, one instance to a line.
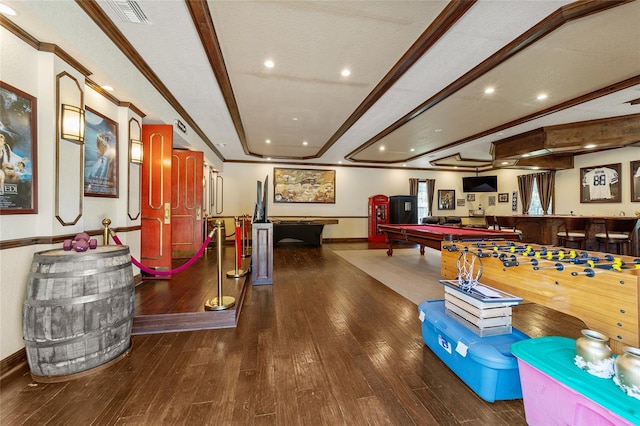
pixel 378 215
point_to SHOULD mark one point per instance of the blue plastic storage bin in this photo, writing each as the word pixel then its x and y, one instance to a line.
pixel 485 364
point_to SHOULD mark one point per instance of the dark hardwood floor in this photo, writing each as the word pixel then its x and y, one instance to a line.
pixel 325 345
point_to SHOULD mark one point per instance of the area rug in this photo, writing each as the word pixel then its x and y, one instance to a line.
pixel 406 272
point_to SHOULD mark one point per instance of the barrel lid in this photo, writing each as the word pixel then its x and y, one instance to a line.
pixel 100 250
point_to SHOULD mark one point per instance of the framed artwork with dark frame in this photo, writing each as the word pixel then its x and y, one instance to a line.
pixel 304 186
pixel 471 197
pixel 446 199
pixel 600 184
pixel 100 155
pixel 18 165
pixel 635 180
pixel 503 197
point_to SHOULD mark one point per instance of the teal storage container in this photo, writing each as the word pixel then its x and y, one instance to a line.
pixel 557 392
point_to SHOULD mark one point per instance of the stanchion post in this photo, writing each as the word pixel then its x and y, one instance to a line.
pixel 246 252
pixel 237 273
pixel 221 302
pixel 105 232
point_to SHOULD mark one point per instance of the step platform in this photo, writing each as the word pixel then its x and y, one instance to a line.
pixel 556 392
pixel 485 364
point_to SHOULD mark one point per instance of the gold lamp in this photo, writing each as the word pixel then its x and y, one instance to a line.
pixel 136 151
pixel 72 123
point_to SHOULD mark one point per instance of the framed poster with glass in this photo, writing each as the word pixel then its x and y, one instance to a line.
pixel 18 170
pixel 100 155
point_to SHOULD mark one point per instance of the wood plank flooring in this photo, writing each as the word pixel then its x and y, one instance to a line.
pixel 325 345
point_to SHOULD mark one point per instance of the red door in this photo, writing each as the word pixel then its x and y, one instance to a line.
pixel 155 241
pixel 186 202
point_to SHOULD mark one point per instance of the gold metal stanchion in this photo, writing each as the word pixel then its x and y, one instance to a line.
pixel 237 272
pixel 105 232
pixel 221 302
pixel 246 251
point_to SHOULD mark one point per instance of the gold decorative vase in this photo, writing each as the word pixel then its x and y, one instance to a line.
pixel 627 371
pixel 594 355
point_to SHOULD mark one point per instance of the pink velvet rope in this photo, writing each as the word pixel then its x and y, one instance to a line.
pixel 171 272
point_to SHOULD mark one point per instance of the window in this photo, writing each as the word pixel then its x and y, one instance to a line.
pixel 536 206
pixel 423 201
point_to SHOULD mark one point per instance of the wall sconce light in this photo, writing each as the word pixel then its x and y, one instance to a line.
pixel 72 123
pixel 136 151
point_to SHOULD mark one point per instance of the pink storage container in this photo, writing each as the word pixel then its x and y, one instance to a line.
pixel 556 392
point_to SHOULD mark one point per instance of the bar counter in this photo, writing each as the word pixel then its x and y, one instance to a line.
pixel 543 229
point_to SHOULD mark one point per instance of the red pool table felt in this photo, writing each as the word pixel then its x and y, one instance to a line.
pixel 433 235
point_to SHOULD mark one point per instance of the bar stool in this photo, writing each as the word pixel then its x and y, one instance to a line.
pixel 617 232
pixel 509 223
pixel 492 223
pixel 574 230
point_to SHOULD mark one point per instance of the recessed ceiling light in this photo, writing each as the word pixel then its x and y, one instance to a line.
pixel 222 145
pixel 268 158
pixel 382 148
pixel 437 130
pixel 536 168
pixel 489 90
pixel 525 155
pixel 107 88
pixel 542 96
pixel 591 145
pixel 339 162
pixel 412 149
pixel 6 10
pixel 268 141
pixel 294 118
pixel 304 143
pixel 269 63
pixel 404 165
pixel 345 72
pixel 504 163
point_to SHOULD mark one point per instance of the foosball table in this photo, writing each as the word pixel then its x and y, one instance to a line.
pixel 600 289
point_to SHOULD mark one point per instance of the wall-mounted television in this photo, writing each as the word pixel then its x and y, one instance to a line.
pixel 480 184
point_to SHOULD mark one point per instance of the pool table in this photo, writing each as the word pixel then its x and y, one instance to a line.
pixel 433 235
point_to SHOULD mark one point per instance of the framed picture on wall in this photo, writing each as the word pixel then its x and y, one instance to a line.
pixel 446 199
pixel 18 177
pixel 600 184
pixel 503 197
pixel 471 197
pixel 100 155
pixel 635 180
pixel 492 200
pixel 461 202
pixel 514 201
pixel 304 186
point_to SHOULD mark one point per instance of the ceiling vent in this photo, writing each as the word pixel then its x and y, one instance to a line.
pixel 128 11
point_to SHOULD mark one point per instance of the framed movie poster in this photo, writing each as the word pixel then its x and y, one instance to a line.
pixel 18 168
pixel 100 155
pixel 446 199
pixel 304 186
pixel 600 184
pixel 634 167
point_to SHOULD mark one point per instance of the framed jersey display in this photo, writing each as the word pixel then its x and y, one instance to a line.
pixel 600 184
pixel 635 180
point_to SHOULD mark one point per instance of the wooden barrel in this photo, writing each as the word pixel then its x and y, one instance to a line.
pixel 78 310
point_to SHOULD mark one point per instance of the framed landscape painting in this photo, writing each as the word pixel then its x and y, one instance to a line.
pixel 304 186
pixel 18 171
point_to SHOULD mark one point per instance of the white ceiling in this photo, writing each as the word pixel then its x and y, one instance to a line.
pixel 430 100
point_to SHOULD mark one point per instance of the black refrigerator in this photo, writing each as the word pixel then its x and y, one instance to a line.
pixel 403 209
